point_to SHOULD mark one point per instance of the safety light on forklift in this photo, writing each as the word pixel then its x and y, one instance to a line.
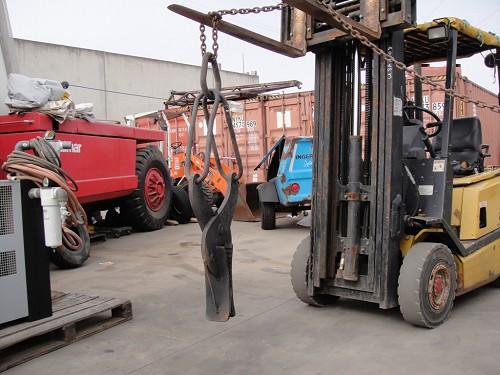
pixel 295 187
pixel 438 33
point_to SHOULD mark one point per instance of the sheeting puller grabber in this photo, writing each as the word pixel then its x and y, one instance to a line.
pixel 216 241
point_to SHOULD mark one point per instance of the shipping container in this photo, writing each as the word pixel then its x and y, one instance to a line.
pixel 260 122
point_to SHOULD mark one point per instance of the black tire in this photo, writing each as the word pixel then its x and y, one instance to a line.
pixel 209 196
pixel 422 266
pixel 181 208
pixel 136 208
pixel 496 283
pixel 65 258
pixel 217 199
pixel 299 272
pixel 268 216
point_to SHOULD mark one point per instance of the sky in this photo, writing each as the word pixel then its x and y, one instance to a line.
pixel 147 29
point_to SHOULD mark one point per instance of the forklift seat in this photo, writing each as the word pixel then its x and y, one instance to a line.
pixel 466 148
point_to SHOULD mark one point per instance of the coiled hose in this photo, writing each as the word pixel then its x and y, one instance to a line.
pixel 45 164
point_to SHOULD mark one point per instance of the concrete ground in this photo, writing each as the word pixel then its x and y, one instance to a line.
pixel 272 333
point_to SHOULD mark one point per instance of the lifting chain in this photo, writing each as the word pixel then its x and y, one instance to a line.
pixel 398 64
pixel 217 17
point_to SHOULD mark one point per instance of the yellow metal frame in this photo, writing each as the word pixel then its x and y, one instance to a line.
pixel 483 37
pixel 469 195
pixel 471 40
pixel 478 268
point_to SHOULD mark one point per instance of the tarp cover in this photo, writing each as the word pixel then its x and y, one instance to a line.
pixel 45 96
pixel 29 93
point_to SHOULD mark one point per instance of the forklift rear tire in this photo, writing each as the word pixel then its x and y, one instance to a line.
pixel 181 208
pixel 65 258
pixel 427 284
pixel 148 207
pixel 268 216
pixel 300 274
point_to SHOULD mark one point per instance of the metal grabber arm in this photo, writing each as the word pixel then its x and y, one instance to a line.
pixel 216 241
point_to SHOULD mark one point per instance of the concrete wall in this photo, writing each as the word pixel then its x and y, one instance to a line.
pixel 118 85
pixel 3 84
pixel 8 57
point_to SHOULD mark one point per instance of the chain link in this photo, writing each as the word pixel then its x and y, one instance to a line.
pixel 398 64
pixel 203 39
pixel 254 10
pixel 215 36
pixel 217 17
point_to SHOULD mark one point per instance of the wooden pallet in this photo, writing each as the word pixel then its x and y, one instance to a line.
pixel 74 317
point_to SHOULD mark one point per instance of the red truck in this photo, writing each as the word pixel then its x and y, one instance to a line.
pixel 116 168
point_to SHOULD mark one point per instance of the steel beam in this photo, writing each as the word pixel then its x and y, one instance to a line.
pixel 239 32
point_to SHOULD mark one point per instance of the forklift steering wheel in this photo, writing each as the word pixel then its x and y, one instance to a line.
pixel 437 124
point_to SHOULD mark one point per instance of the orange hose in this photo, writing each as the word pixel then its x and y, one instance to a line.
pixel 24 166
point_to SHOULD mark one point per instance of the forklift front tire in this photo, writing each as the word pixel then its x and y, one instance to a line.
pixel 300 274
pixel 427 284
pixel 268 213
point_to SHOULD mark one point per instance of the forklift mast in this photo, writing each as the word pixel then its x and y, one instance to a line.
pixel 358 206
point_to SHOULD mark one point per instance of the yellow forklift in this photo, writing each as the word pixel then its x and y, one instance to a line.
pixel 404 211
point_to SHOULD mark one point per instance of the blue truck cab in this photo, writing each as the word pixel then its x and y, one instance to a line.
pixel 289 179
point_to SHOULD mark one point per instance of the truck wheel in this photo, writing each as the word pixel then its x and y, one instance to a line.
pixel 66 258
pixel 299 275
pixel 268 216
pixel 181 208
pixel 147 208
pixel 427 284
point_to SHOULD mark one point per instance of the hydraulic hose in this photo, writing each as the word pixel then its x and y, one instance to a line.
pixel 45 164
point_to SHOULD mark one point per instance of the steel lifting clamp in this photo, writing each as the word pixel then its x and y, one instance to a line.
pixel 216 241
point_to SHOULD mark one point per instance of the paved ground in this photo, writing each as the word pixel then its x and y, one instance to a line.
pixel 273 333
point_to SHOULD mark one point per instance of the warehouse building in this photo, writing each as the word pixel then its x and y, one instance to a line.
pixel 116 84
